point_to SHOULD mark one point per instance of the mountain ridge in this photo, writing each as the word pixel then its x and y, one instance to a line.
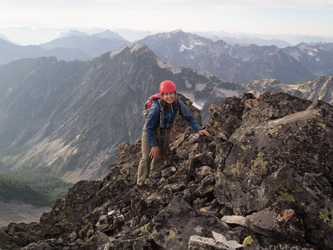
pixel 11 52
pixel 241 63
pixel 94 45
pixel 238 62
pixel 319 88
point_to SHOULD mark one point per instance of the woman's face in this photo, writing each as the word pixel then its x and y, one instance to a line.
pixel 169 97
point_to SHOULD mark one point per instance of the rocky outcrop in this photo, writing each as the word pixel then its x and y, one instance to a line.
pixel 263 180
pixel 320 88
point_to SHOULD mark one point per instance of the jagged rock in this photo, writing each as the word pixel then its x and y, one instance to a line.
pixel 138 243
pixel 127 153
pixel 6 240
pixel 220 238
pixel 282 162
pixel 202 243
pixel 173 227
pixel 234 219
pixel 19 235
pixel 217 242
pixel 228 116
pixel 282 225
pixel 66 216
pixel 268 162
pixel 197 243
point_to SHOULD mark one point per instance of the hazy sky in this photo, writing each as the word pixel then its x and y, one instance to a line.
pixel 304 17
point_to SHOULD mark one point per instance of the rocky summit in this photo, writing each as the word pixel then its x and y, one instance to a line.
pixel 263 180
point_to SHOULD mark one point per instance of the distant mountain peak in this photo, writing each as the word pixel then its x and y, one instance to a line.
pixel 108 34
pixel 73 33
pixel 136 47
pixel 139 46
pixel 177 31
pixel 2 37
pixel 115 52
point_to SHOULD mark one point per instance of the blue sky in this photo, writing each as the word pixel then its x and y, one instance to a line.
pixel 272 17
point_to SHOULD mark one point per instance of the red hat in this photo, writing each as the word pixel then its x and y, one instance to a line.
pixel 167 86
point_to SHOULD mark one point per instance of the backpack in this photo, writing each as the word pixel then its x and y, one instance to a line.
pixel 151 99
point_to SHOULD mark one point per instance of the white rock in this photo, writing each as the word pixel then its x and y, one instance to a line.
pixel 234 219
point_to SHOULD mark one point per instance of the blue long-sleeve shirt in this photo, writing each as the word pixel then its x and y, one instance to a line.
pixel 153 119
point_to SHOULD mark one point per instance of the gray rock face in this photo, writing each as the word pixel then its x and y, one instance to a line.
pixel 263 180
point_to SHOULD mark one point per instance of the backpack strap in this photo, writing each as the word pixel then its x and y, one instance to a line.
pixel 161 113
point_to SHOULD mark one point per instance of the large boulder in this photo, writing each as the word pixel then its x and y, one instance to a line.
pixel 281 161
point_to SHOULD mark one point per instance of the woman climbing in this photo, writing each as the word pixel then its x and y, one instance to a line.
pixel 155 132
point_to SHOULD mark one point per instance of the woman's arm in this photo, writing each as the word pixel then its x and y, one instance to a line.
pixel 152 123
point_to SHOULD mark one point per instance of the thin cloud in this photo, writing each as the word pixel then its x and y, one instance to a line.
pixel 310 17
pixel 160 4
pixel 294 4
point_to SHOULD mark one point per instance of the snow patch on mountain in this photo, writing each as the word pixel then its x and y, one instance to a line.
pixel 188 84
pixel 200 86
pixel 206 73
pixel 175 69
pixel 192 45
pixel 226 92
pixel 199 104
